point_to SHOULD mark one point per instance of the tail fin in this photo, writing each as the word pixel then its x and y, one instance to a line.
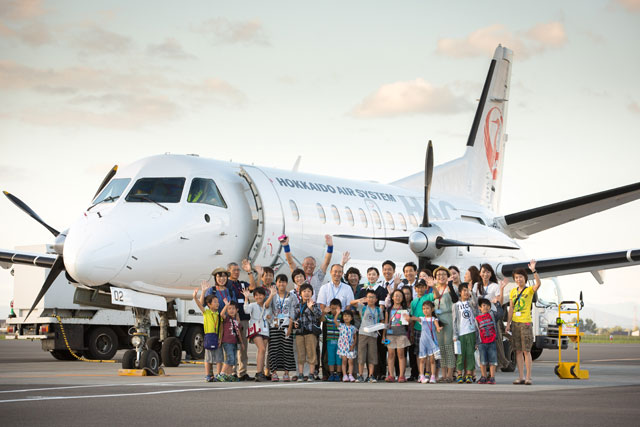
pixel 478 174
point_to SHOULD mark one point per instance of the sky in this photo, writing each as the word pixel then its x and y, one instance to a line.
pixel 357 87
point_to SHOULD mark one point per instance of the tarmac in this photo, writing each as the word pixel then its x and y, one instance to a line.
pixel 36 389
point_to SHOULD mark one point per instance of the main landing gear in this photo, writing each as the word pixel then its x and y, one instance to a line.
pixel 151 352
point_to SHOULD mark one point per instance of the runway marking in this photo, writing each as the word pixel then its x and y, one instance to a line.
pixel 185 390
pixel 88 375
pixel 609 360
pixel 164 384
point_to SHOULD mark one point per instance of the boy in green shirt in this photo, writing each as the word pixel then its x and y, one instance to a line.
pixel 416 311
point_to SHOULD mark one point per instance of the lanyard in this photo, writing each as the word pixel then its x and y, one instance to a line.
pixel 431 326
pixel 280 304
pixel 335 292
pixel 374 313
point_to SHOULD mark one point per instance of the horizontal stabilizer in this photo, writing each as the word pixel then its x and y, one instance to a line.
pixel 552 267
pixel 523 224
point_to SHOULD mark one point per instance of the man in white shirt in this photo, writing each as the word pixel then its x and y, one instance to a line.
pixel 335 289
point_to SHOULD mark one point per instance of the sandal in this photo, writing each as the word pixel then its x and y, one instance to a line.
pixel 528 382
pixel 519 382
pixel 286 378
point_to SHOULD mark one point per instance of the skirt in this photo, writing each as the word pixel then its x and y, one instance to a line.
pixel 280 356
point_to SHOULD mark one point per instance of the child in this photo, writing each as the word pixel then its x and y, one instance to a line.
pixel 346 343
pixel 258 332
pixel 464 331
pixel 367 341
pixel 428 344
pixel 416 313
pixel 396 333
pixel 333 334
pixel 280 342
pixel 230 339
pixel 486 333
pixel 306 320
pixel 213 351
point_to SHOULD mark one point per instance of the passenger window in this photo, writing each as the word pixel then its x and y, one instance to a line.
pixel 413 220
pixel 294 210
pixel 403 222
pixel 321 214
pixel 204 190
pixel 350 216
pixel 389 219
pixel 363 218
pixel 336 214
pixel 376 219
pixel 161 190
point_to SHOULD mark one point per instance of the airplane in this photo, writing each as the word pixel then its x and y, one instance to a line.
pixel 157 227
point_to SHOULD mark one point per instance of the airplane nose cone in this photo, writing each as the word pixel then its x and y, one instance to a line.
pixel 95 252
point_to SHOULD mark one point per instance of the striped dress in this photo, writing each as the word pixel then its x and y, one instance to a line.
pixel 281 357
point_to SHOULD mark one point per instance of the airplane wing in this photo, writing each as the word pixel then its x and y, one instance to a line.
pixel 523 224
pixel 593 263
pixel 7 258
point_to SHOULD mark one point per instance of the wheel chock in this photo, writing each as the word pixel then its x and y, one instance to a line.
pixel 146 372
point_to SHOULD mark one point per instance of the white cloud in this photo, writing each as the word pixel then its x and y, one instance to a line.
pixel 410 97
pixel 96 40
pixel 629 5
pixel 225 31
pixel 169 49
pixel 21 9
pixel 483 41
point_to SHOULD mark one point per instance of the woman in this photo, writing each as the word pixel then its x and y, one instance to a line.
pixel 352 277
pixel 472 276
pixel 445 297
pixel 455 276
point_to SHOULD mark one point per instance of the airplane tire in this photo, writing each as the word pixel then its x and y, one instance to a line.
pixel 62 355
pixel 102 343
pixel 150 360
pixel 511 357
pixel 194 342
pixel 535 352
pixel 171 352
pixel 129 359
pixel 155 344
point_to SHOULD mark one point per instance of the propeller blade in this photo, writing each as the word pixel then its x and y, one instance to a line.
pixel 447 243
pixel 56 269
pixel 106 179
pixel 23 206
pixel 404 240
pixel 428 174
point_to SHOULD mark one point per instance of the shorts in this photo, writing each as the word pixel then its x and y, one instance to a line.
pixel 230 353
pixel 368 349
pixel 522 336
pixel 332 353
pixel 214 356
pixel 416 341
pixel 306 346
pixel 398 341
pixel 488 354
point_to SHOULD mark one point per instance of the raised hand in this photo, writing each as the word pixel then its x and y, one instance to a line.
pixel 226 301
pixel 285 241
pixel 195 293
pixel 532 265
pixel 345 258
pixel 328 239
pixel 396 280
pixel 430 281
pixel 204 285
pixel 246 293
pixel 246 265
pixel 309 304
pixel 503 283
pixel 273 289
pixel 259 269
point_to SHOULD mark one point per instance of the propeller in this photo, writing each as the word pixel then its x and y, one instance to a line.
pixel 427 241
pixel 56 269
pixel 106 180
pixel 23 206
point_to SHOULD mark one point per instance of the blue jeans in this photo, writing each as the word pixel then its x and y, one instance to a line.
pixel 488 354
pixel 230 353
pixel 332 353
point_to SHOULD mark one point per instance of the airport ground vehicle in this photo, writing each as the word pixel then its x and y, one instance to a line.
pixel 93 326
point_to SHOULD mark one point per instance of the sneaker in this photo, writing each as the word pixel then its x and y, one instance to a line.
pixel 433 379
pixel 311 379
pixel 402 380
pixel 482 380
pixel 468 379
pixel 336 377
pixel 221 378
pixel 361 379
pixel 390 379
pixel 301 378
pixel 274 378
pixel 286 378
pixel 373 380
pixel 422 379
pixel 491 380
pixel 260 377
pixel 459 379
pixel 351 379
pixel 208 378
pixel 245 377
pixel 345 379
pixel 234 379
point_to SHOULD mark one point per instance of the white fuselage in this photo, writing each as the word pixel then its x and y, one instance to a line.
pixel 143 247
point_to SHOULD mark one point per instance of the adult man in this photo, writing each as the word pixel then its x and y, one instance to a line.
pixel 410 271
pixel 238 286
pixel 388 279
pixel 312 276
pixel 335 289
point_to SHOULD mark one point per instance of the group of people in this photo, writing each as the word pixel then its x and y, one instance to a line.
pixel 365 330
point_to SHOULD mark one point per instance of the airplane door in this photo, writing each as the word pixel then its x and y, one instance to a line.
pixel 378 225
pixel 265 248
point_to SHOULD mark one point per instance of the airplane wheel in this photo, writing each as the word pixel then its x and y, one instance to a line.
pixel 129 359
pixel 171 352
pixel 510 355
pixel 149 359
pixel 155 344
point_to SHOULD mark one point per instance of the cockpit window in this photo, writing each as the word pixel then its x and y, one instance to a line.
pixel 113 190
pixel 205 191
pixel 161 190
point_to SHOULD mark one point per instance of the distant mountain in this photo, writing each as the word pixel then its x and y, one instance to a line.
pixel 608 316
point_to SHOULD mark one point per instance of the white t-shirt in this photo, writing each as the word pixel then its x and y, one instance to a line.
pixel 492 291
pixel 329 291
pixel 467 320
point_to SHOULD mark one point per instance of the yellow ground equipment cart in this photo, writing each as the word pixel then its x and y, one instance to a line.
pixel 570 370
